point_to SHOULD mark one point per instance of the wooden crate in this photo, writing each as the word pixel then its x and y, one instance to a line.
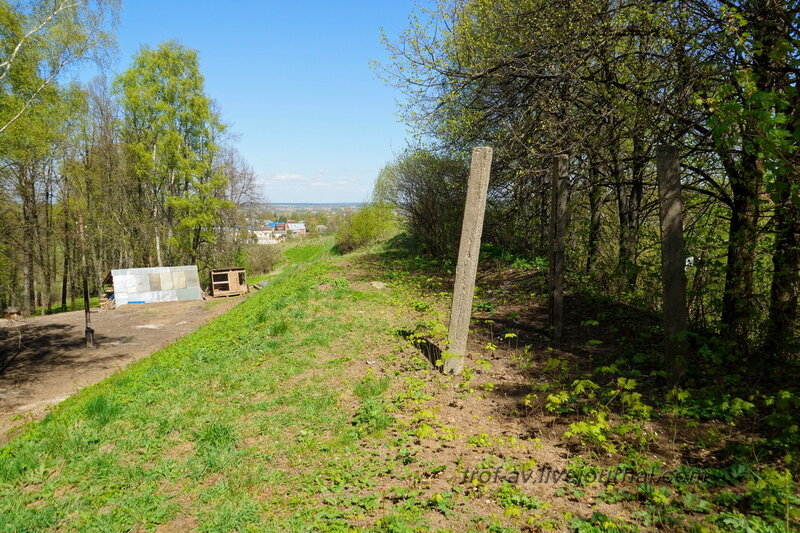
pixel 228 282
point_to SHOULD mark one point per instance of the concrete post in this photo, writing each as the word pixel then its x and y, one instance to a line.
pixel 467 267
pixel 558 232
pixel 673 263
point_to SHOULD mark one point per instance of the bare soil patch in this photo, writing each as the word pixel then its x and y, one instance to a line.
pixel 44 360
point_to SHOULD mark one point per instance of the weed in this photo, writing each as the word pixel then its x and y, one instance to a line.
pixel 484 307
pixel 371 387
pixel 340 283
pixel 510 497
pixel 599 523
pixel 371 417
pixel 215 435
pixel 101 411
pixel 278 327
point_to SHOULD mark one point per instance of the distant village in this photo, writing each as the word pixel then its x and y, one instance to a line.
pixel 277 223
pixel 269 232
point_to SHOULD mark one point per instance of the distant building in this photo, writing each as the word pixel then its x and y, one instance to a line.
pixel 267 237
pixel 298 228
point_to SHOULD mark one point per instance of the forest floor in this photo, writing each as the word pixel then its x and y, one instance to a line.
pixel 44 360
pixel 317 405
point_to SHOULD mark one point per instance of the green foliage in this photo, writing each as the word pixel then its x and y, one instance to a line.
pixel 371 387
pixel 510 496
pixel 370 224
pixel 215 435
pixel 429 191
pixel 307 253
pixel 39 40
pixel 340 283
pixel 772 493
pixel 599 523
pixel 171 135
pixel 593 432
pixel 372 417
pixel 100 410
pixel 261 259
pixel 278 327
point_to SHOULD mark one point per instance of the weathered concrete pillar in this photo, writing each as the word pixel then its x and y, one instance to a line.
pixel 558 232
pixel 676 320
pixel 467 267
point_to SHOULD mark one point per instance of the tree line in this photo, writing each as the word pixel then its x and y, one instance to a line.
pixel 606 82
pixel 136 171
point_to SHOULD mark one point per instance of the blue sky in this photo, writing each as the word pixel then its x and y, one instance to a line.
pixel 293 79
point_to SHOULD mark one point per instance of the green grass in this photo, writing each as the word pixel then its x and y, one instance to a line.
pixel 304 253
pixel 208 421
pixel 305 408
pixel 76 305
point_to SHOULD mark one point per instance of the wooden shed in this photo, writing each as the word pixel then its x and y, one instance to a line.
pixel 228 282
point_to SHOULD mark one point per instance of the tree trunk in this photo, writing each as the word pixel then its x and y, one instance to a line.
pixel 558 233
pixel 737 300
pixel 785 288
pixel 785 280
pixel 595 203
pixel 627 246
pixel 65 277
pixel 158 246
pixel 27 194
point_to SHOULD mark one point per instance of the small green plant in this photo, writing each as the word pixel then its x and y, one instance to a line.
pixel 556 365
pixel 484 307
pixel 599 523
pixel 658 496
pixel 278 327
pixel 371 387
pixel 483 364
pixel 340 283
pixel 371 417
pixel 558 402
pixel 593 432
pixel 442 502
pixel 514 501
pixel 419 305
pixel 773 493
pixel 100 410
pixel 215 435
pixel 481 440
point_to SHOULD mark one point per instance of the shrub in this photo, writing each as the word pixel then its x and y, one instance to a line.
pixel 368 225
pixel 261 258
pixel 429 190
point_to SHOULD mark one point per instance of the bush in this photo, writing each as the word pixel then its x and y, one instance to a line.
pixel 261 258
pixel 429 191
pixel 367 226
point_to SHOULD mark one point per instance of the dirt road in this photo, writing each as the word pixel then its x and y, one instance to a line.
pixel 43 360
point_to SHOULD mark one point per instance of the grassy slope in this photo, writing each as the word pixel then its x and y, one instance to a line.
pixel 301 409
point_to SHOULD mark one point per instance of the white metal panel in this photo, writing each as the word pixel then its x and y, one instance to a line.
pixel 180 283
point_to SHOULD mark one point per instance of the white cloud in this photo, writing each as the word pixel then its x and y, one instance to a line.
pixel 319 185
pixel 286 176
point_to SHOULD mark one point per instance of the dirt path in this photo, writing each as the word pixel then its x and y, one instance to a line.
pixel 43 360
